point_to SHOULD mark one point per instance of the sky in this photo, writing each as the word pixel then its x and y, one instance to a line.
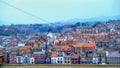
pixel 55 10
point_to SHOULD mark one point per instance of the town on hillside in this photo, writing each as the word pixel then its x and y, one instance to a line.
pixel 79 43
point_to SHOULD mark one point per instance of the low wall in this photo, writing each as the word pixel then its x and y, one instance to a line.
pixel 60 64
pixel 57 66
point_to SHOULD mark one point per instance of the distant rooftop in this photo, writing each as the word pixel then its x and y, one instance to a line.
pixel 114 54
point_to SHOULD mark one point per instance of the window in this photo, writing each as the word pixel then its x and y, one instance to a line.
pixel 19 59
pixel 65 62
pixel 68 61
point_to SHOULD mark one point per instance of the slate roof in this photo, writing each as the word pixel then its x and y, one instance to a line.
pixel 114 54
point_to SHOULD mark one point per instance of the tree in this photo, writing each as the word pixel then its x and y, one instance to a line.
pixel 78 24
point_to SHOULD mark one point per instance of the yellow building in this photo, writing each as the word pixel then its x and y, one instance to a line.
pixel 67 60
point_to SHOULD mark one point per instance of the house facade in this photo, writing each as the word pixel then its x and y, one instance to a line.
pixel 54 58
pixel 75 59
pixel 32 60
pixel 26 58
pixel 113 57
pixel 39 58
pixel 67 59
pixel 13 56
pixel 19 59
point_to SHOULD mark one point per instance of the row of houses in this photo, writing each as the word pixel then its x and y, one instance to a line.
pixel 62 57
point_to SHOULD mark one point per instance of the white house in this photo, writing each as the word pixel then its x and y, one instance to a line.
pixel 54 60
pixel 57 58
pixel 19 59
pixel 32 60
pixel 26 58
pixel 95 60
pixel 60 60
pixel 60 57
pixel 52 37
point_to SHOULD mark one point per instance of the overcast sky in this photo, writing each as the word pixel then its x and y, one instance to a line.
pixel 56 10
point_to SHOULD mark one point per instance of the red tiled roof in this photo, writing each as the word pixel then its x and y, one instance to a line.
pixel 65 47
pixel 101 34
pixel 28 47
pixel 90 44
pixel 25 49
pixel 78 31
pixel 56 42
pixel 115 31
pixel 32 41
pixel 54 54
pixel 78 45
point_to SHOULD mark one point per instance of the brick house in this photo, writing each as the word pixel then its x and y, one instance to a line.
pixel 75 59
pixel 39 58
